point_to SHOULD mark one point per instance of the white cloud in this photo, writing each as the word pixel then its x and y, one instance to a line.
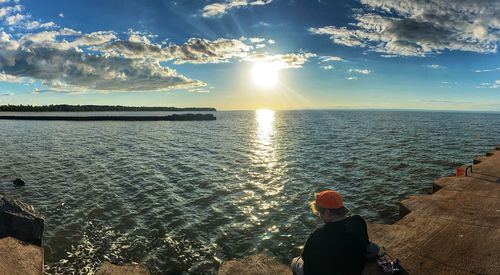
pixel 255 40
pixel 283 61
pixel 360 71
pixel 435 66
pixel 219 9
pixel 61 15
pixel 9 78
pixel 327 67
pixel 487 70
pixel 420 28
pixel 352 78
pixel 271 42
pixel 7 94
pixel 493 85
pixel 10 9
pixel 13 19
pixel 199 90
pixel 36 24
pixel 326 58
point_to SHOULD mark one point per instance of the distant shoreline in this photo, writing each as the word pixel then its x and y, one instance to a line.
pixel 98 108
pixel 174 117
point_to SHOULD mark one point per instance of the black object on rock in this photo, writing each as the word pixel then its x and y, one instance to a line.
pixel 21 221
pixel 19 181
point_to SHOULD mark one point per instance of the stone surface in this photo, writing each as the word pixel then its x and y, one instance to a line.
pixel 17 258
pixel 254 265
pixel 454 231
pixel 130 269
pixel 21 221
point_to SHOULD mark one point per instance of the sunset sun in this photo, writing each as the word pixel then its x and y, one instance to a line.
pixel 265 74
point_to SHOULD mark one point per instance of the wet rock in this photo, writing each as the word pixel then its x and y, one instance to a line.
pixel 132 269
pixel 253 265
pixel 21 221
pixel 19 181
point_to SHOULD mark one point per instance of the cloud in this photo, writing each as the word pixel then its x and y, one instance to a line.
pixel 70 61
pixel 7 94
pixel 420 28
pixel 360 71
pixel 219 9
pixel 10 78
pixel 10 9
pixel 493 85
pixel 199 90
pixel 61 15
pixel 435 66
pixel 352 78
pixel 283 61
pixel 255 40
pixel 327 58
pixel 79 64
pixel 487 70
pixel 271 42
pixel 36 25
pixel 327 67
pixel 200 51
pixel 13 19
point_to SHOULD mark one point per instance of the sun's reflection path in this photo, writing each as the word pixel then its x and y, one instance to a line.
pixel 265 128
pixel 267 172
pixel 263 184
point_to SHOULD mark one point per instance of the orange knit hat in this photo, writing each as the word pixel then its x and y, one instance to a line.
pixel 329 199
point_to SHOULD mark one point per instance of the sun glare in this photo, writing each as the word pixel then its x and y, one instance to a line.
pixel 265 74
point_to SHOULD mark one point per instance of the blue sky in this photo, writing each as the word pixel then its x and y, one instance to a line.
pixel 437 54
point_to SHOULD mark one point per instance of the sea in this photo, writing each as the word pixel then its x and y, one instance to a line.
pixel 187 195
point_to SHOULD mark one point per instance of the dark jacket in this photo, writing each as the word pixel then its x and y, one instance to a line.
pixel 336 248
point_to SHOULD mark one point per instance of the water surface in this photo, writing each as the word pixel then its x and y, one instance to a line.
pixel 187 195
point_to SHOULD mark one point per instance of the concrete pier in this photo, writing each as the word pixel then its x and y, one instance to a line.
pixel 18 258
pixel 456 230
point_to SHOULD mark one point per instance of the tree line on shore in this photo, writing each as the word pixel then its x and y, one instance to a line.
pixel 93 108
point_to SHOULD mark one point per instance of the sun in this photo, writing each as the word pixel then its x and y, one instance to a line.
pixel 265 74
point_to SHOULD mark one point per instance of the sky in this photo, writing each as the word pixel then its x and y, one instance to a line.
pixel 252 54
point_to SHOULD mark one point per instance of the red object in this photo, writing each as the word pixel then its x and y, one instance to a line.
pixel 329 199
pixel 460 172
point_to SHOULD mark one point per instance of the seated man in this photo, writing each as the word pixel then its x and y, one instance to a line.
pixel 336 247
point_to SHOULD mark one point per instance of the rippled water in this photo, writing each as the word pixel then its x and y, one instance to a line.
pixel 187 195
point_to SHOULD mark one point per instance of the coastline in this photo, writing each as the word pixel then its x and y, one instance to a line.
pixel 174 117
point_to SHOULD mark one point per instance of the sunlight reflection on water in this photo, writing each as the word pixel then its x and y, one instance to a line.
pixel 189 195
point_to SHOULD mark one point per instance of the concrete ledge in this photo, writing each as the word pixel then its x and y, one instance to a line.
pixel 254 265
pixel 108 268
pixel 18 258
pixel 478 159
pixel 454 231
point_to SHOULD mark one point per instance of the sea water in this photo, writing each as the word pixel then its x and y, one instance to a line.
pixel 188 195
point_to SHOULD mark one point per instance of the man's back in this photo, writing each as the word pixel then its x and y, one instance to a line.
pixel 336 248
